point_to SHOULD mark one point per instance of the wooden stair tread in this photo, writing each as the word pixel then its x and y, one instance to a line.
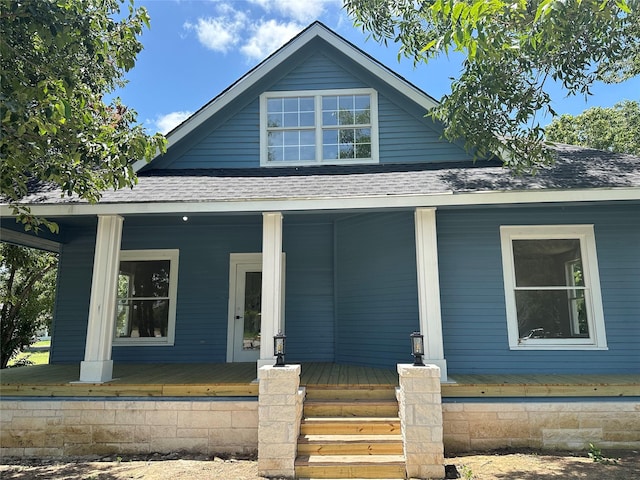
pixel 317 460
pixel 311 438
pixel 311 420
pixel 361 401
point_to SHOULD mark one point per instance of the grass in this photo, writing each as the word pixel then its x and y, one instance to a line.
pixel 40 344
pixel 35 357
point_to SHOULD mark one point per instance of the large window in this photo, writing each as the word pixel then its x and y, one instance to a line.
pixel 147 285
pixel 552 287
pixel 312 127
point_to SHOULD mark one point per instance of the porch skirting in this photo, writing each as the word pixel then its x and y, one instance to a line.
pixel 36 427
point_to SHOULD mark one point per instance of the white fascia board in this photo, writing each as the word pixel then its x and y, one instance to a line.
pixel 339 203
pixel 273 62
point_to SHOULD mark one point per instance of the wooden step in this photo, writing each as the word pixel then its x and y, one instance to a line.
pixel 351 408
pixel 350 445
pixel 350 466
pixel 358 392
pixel 350 426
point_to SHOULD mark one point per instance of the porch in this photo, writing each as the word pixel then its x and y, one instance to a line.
pixel 239 380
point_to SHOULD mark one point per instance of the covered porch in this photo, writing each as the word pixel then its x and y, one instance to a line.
pixel 239 380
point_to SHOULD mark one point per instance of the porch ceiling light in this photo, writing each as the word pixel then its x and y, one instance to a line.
pixel 417 348
pixel 278 348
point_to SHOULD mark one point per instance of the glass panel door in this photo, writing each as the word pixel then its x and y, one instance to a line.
pixel 252 308
pixel 247 312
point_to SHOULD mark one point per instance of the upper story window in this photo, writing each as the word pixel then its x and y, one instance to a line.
pixel 147 288
pixel 552 287
pixel 319 127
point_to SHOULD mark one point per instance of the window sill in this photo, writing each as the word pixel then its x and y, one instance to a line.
pixel 142 343
pixel 365 161
pixel 556 347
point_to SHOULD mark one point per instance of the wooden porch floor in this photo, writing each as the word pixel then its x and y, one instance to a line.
pixel 238 379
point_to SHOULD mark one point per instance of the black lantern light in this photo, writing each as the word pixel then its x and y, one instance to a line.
pixel 417 348
pixel 278 348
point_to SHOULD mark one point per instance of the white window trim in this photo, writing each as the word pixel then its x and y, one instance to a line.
pixel 318 94
pixel 160 254
pixel 593 298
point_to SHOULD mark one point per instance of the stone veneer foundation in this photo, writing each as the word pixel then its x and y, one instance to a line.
pixel 31 427
pixel 569 424
pixel 73 427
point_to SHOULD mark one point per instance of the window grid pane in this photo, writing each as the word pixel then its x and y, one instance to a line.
pixel 289 141
pixel 346 143
pixel 290 112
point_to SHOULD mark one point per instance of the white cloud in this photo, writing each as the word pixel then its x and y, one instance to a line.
pixel 268 36
pixel 165 123
pixel 219 33
pixel 304 11
pixel 256 38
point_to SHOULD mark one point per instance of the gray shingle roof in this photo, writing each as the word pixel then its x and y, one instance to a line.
pixel 576 168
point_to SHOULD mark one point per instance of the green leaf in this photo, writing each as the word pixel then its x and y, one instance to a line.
pixel 56 78
pixel 513 49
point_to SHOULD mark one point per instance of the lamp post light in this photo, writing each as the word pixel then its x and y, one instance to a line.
pixel 417 348
pixel 278 348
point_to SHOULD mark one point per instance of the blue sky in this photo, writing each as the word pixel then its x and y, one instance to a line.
pixel 197 48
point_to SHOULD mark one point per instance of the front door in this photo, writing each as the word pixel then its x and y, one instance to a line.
pixel 245 300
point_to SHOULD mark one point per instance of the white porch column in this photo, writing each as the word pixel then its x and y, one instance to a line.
pixel 429 288
pixel 97 366
pixel 272 291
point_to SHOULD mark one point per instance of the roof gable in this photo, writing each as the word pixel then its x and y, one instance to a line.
pixel 278 60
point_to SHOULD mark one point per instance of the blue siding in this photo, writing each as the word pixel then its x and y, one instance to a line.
pixel 351 292
pixel 203 291
pixel 318 71
pixel 377 289
pixel 202 299
pixel 235 143
pixel 232 138
pixel 309 307
pixel 203 288
pixel 69 329
pixel 472 291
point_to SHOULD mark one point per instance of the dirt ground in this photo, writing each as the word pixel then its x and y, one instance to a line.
pixel 511 466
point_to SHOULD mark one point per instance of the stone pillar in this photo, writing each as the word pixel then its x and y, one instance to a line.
pixel 429 288
pixel 272 287
pixel 279 415
pixel 420 405
pixel 97 366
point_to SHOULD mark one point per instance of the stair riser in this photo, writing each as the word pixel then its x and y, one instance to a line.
pixel 345 429
pixel 351 449
pixel 351 394
pixel 353 410
pixel 351 471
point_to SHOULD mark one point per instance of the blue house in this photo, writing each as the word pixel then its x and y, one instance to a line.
pixel 313 197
